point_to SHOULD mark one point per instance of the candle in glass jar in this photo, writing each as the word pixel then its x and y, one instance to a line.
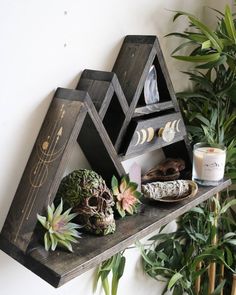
pixel 208 163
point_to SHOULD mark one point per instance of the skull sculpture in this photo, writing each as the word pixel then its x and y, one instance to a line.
pixel 167 170
pixel 87 193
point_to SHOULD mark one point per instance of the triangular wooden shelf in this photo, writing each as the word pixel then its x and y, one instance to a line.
pixel 107 116
pixel 60 267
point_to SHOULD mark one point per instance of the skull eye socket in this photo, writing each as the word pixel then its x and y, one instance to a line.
pixel 93 202
pixel 170 171
pixel 106 196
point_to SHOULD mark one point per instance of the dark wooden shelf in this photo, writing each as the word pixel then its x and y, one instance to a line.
pixel 159 145
pixel 153 108
pixel 60 267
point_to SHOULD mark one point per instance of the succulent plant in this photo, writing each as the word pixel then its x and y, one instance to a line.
pixel 126 195
pixel 59 231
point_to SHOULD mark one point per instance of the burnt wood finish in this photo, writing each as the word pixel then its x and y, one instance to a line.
pixel 136 56
pixel 153 108
pixel 45 166
pixel 71 116
pixel 97 146
pixel 59 267
pixel 145 136
pixel 110 126
pixel 109 101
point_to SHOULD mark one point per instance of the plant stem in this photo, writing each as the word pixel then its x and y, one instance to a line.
pixel 198 279
pixel 233 292
pixel 212 266
pixel 222 274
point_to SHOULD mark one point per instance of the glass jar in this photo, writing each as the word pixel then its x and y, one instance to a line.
pixel 208 163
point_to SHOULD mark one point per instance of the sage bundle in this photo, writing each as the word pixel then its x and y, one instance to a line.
pixel 168 189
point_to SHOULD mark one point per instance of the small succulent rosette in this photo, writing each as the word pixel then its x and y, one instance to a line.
pixel 126 196
pixel 59 231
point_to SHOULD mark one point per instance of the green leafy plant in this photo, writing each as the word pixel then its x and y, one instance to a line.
pixel 174 257
pixel 114 265
pixel 59 230
pixel 209 108
pixel 211 48
pixel 126 195
pixel 209 113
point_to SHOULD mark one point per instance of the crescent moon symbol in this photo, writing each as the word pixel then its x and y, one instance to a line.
pixel 177 125
pixel 150 131
pixel 173 124
pixel 139 137
pixel 144 134
pixel 168 124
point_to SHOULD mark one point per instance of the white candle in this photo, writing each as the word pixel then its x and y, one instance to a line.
pixel 208 163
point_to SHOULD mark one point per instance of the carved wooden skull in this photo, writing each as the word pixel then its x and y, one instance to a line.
pixel 95 212
pixel 87 193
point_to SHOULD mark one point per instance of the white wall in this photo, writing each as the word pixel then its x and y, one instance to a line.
pixel 46 44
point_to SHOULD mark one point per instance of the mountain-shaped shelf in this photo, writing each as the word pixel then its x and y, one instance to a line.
pixel 112 119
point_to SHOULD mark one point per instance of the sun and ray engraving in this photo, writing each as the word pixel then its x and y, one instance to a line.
pixel 48 150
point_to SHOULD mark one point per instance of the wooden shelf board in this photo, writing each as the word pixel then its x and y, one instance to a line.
pixel 161 144
pixel 60 267
pixel 153 108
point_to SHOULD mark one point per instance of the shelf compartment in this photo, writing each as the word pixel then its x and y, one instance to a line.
pixel 136 56
pixel 153 108
pixel 59 267
pixel 108 99
pixel 143 134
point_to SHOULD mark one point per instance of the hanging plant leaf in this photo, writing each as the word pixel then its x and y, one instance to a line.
pixel 199 58
pixel 197 37
pixel 212 64
pixel 219 288
pixel 215 41
pixel 229 23
pixel 181 46
pixel 180 13
pixel 177 276
pixel 227 206
pixel 206 44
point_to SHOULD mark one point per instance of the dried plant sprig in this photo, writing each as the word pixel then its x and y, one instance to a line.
pixel 126 195
pixel 59 230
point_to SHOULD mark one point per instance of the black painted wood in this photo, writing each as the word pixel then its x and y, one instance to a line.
pixel 108 129
pixel 45 167
pixel 144 133
pixel 109 101
pixel 136 56
pixel 153 108
pixel 97 146
pixel 59 267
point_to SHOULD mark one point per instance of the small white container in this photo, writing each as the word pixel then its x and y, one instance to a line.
pixel 208 163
